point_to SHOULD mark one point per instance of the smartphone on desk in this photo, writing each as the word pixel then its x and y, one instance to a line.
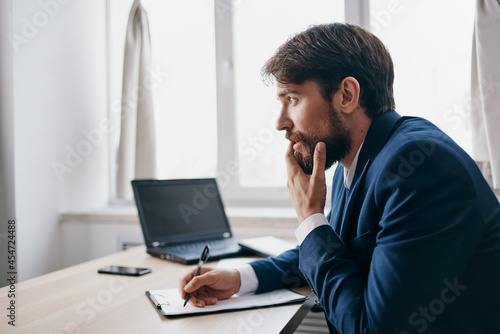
pixel 127 271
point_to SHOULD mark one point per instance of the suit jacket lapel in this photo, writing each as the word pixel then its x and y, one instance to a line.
pixel 338 199
pixel 351 201
pixel 378 134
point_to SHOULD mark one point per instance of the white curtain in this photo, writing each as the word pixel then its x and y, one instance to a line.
pixel 137 149
pixel 7 200
pixel 485 89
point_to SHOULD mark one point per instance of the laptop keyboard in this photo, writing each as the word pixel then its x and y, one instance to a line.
pixel 198 246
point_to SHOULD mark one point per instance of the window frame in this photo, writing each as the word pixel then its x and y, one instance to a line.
pixel 356 12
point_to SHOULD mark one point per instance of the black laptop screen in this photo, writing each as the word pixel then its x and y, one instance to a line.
pixel 180 210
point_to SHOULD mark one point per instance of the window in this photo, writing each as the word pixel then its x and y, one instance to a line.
pixel 214 115
pixel 183 83
pixel 432 59
pixel 260 147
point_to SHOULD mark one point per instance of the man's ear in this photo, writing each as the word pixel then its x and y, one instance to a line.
pixel 349 92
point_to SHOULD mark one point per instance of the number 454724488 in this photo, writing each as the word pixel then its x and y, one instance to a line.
pixel 11 257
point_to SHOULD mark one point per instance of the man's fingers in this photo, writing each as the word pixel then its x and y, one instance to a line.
pixel 188 278
pixel 180 287
pixel 318 173
pixel 198 282
pixel 196 301
pixel 291 163
pixel 201 299
pixel 185 280
pixel 208 300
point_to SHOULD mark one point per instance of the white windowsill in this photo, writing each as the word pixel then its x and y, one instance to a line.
pixel 128 214
pixel 246 222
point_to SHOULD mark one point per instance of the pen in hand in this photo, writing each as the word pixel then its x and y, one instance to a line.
pixel 203 259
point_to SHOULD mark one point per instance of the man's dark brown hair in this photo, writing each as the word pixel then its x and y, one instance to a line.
pixel 327 54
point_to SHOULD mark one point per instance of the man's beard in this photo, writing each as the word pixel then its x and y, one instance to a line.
pixel 338 144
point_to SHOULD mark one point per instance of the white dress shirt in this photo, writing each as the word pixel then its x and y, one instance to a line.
pixel 249 281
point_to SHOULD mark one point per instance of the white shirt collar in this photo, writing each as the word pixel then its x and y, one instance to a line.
pixel 349 173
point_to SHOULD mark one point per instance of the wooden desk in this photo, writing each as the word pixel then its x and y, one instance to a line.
pixel 79 300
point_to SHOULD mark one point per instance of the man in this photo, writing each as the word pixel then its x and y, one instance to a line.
pixel 412 241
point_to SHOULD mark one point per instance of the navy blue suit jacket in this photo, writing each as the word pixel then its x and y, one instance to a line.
pixel 412 247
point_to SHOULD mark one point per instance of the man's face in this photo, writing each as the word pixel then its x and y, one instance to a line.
pixel 308 119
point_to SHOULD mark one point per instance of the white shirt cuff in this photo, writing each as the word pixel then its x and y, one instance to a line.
pixel 309 224
pixel 249 280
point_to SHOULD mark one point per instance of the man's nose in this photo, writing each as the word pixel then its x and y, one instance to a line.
pixel 283 122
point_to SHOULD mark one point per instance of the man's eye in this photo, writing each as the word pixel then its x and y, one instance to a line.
pixel 292 99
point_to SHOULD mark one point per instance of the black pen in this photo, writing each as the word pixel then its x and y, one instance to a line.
pixel 203 259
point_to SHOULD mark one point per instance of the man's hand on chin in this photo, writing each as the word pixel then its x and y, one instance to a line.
pixel 308 192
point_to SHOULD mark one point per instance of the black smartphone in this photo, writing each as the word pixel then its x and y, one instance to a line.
pixel 128 271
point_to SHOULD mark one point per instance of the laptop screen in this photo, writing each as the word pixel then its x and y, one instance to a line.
pixel 176 211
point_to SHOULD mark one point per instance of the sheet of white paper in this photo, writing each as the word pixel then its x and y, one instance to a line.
pixel 172 303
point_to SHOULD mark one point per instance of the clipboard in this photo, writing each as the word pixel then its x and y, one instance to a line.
pixel 169 303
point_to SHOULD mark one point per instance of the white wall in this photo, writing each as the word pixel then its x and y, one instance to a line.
pixel 7 206
pixel 59 93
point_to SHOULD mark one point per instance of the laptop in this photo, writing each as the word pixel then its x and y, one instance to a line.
pixel 179 217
